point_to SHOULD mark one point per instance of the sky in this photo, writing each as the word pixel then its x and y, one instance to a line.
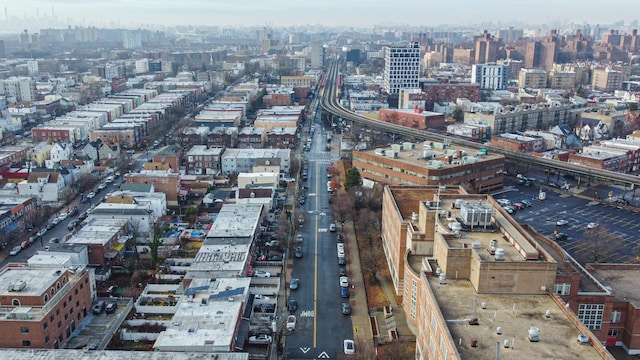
pixel 356 13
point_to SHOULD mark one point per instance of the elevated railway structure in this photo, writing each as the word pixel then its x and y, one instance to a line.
pixel 330 103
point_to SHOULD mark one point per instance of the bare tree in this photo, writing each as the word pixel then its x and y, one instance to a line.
pixel 400 350
pixel 372 259
pixel 85 182
pixel 598 245
pixel 342 209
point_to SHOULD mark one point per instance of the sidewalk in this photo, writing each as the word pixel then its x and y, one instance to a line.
pixel 360 319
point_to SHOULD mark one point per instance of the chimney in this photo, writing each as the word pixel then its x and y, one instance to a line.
pixel 415 109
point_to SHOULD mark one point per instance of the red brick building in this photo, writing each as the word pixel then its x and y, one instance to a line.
pixel 53 134
pixel 277 99
pixel 166 181
pixel 440 92
pixel 42 305
pixel 415 119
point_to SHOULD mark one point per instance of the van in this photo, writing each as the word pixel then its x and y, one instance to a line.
pixel 98 308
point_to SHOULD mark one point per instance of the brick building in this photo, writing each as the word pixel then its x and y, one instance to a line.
pixel 53 134
pixel 43 305
pixel 450 92
pixel 170 154
pixel 164 181
pixel 520 143
pixel 251 137
pixel 431 164
pixel 414 118
pixel 282 138
pixel 104 240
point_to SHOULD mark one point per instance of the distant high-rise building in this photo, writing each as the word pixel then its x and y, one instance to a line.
pixel 32 67
pixel 3 51
pixel 486 48
pixel 490 76
pixel 401 68
pixel 131 39
pixel 317 54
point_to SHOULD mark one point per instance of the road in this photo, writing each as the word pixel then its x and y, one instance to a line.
pixel 321 327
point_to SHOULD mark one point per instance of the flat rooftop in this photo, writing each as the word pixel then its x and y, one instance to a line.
pixel 515 314
pixel 97 231
pixel 433 155
pixel 235 221
pixel 38 280
pixel 41 354
pixel 623 282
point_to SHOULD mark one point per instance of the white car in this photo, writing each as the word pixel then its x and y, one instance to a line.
pixel 271 243
pixel 562 222
pixel 260 339
pixel 91 195
pixel 102 186
pixel 109 179
pixel 261 274
pixel 63 216
pixel 344 281
pixel 592 225
pixel 349 347
pixel 291 322
pixel 299 238
pixel 15 251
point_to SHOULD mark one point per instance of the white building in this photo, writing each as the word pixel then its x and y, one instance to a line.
pixel 59 151
pixel 19 89
pixel 401 68
pixel 142 66
pixel 140 216
pixel 243 160
pixel 490 76
pixel 317 54
pixel 44 185
pixel 32 67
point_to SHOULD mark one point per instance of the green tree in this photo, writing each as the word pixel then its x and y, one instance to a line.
pixel 154 244
pixel 458 114
pixel 353 179
pixel 632 106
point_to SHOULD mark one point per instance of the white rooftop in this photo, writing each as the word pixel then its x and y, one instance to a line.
pixel 98 231
pixel 38 280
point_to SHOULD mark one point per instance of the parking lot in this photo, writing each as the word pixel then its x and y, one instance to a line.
pixel 620 242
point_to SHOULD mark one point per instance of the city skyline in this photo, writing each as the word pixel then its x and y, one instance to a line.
pixel 356 13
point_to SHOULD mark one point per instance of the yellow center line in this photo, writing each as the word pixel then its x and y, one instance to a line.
pixel 315 276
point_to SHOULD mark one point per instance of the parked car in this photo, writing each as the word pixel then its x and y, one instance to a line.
pixel 91 195
pixel 72 224
pixel 291 322
pixel 275 258
pixel 339 238
pixel 83 216
pixel 527 203
pixel 333 227
pixel 260 339
pixel 15 251
pixel 342 271
pixel 98 308
pixel 298 252
pixel 55 222
pixel 42 231
pixel 299 238
pixel 562 222
pixel 346 308
pixel 292 305
pixel 295 282
pixel 344 281
pixel 592 225
pixel 109 179
pixel 62 217
pixel 561 237
pixel 349 347
pixel 271 243
pixel 111 308
pixel 261 274
pixel 54 240
pixel 342 260
pixel 73 211
pixel 344 292
pixel 25 244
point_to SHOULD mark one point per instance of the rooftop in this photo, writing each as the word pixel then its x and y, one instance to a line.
pixel 205 150
pixel 98 231
pixel 42 354
pixel 234 222
pixel 622 279
pixel 515 314
pixel 37 280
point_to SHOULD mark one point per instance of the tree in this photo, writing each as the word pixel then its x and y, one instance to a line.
pixel 458 114
pixel 372 259
pixel 342 208
pixel 400 349
pixel 632 106
pixel 352 179
pixel 85 182
pixel 598 245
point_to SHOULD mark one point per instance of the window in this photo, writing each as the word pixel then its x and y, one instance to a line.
pixel 45 326
pixel 15 302
pixel 615 316
pixel 24 330
pixel 562 289
pixel 26 343
pixel 591 315
pixel 46 339
pixel 59 324
pixel 612 332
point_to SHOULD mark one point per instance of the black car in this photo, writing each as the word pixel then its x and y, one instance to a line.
pixel 292 305
pixel 343 271
pixel 298 252
pixel 111 308
pixel 561 237
pixel 339 238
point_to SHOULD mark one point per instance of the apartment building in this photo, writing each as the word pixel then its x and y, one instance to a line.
pixel 562 79
pixel 19 89
pixel 517 142
pixel 104 239
pixel 533 78
pixel 415 118
pixel 42 305
pixel 431 164
pixel 308 81
pixel 165 181
pixel 490 76
pixel 170 154
pixel 607 80
pixel 450 92
pixel 202 159
pixel 401 68
pixel 525 117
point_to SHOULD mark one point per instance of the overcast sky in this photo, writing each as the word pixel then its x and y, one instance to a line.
pixel 327 12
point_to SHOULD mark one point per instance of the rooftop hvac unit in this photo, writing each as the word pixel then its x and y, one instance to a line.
pixel 534 334
pixel 18 285
pixel 499 256
pixel 442 279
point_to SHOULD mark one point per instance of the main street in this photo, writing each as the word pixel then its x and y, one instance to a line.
pixel 321 327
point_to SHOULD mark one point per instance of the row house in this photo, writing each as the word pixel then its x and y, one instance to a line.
pixel 251 137
pixel 282 138
pixel 202 159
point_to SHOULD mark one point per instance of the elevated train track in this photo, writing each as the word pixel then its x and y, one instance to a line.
pixel 331 104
